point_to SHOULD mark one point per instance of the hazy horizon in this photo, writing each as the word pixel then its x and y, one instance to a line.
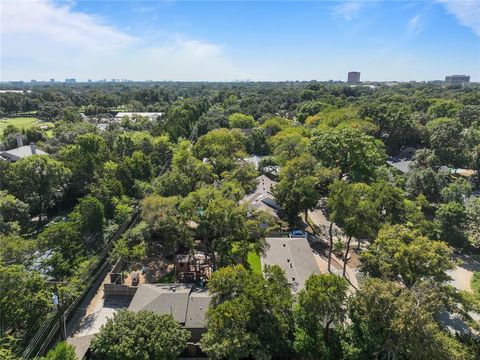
pixel 227 41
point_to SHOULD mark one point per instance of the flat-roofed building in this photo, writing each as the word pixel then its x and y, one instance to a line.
pixel 457 79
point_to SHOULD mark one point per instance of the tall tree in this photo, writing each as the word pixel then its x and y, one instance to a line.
pixel 37 180
pixel 353 209
pixel 391 322
pixel 354 152
pixel 222 148
pixel 248 315
pixel 321 304
pixel 403 255
pixel 297 189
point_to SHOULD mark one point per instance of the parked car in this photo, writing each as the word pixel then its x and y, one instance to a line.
pixel 298 234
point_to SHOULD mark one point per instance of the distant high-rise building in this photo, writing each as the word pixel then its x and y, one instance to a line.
pixel 457 79
pixel 70 81
pixel 52 80
pixel 33 81
pixel 353 77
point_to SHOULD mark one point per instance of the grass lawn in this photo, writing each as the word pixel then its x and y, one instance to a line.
pixel 21 122
pixel 254 261
pixel 475 284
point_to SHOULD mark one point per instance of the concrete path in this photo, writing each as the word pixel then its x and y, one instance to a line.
pixel 463 273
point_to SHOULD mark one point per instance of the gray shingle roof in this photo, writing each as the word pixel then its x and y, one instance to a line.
pixel 162 299
pixel 187 304
pixel 197 308
pixel 400 164
pixel 294 256
pixel 21 152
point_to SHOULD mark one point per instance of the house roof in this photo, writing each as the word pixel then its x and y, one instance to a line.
pixel 400 164
pixel 149 114
pixel 21 152
pixel 198 303
pixel 294 256
pixel 163 299
pixel 186 303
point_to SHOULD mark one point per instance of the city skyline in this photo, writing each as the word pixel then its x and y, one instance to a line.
pixel 228 41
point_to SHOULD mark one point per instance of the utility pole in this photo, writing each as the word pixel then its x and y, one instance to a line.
pixel 61 317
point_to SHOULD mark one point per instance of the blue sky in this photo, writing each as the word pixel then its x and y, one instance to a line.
pixel 239 40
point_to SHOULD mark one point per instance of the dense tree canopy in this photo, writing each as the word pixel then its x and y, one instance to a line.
pixel 139 336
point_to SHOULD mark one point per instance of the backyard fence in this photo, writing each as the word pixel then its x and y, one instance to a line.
pixel 50 329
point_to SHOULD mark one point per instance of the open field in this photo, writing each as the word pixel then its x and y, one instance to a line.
pixel 21 122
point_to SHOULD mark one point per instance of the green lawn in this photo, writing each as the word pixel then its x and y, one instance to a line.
pixel 254 261
pixel 21 122
pixel 475 284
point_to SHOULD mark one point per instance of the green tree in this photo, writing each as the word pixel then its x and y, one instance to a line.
pixel 90 216
pixel 446 141
pixel 134 168
pixel 167 225
pixel 390 202
pixel 388 322
pixel 186 174
pixel 182 117
pixel 139 336
pixel 248 315
pixel 352 207
pixel 458 191
pixel 241 121
pixel 444 108
pixel 403 255
pixel 84 158
pixel 13 213
pixel 37 180
pixel 16 249
pixel 394 121
pixel 214 118
pixel 222 148
pixel 222 225
pixel 450 220
pixel 425 182
pixel 64 242
pixel 20 310
pixel 310 108
pixel 354 152
pixel 288 144
pixel 62 351
pixel 473 221
pixel 321 304
pixel 70 114
pixel 297 189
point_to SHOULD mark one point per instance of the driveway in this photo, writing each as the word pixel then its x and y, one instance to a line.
pixel 463 273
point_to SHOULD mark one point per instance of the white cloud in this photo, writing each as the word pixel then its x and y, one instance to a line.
pixel 41 39
pixel 415 25
pixel 347 10
pixel 467 12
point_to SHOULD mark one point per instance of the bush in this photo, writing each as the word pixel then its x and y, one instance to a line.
pixel 62 351
pixel 475 283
